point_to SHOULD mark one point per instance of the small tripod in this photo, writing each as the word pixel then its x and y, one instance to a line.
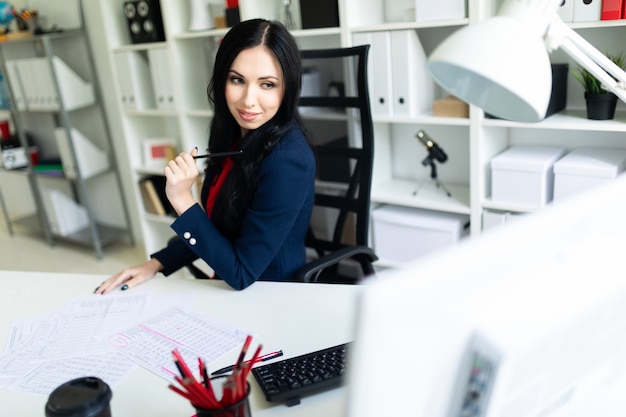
pixel 433 174
pixel 435 153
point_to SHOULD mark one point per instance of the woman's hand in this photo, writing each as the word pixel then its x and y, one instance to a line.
pixel 181 174
pixel 130 277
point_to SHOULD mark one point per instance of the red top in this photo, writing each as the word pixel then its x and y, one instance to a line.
pixel 217 185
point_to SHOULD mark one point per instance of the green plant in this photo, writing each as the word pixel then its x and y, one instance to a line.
pixel 589 82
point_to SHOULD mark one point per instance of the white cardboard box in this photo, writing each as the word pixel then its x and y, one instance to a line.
pixel 402 234
pixel 524 175
pixel 585 168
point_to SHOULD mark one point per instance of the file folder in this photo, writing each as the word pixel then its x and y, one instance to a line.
pixel 611 9
pixel 15 83
pixel 587 10
pixel 161 77
pixel 399 82
pixel 566 10
pixel 379 71
pixel 135 83
pixel 413 87
pixel 33 83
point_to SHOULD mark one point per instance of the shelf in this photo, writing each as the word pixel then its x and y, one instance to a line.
pixel 597 24
pixel 567 120
pixel 140 47
pixel 147 170
pixel 303 33
pixel 199 113
pixel 151 113
pixel 422 195
pixel 516 208
pixel 427 119
pixel 159 219
pixel 30 222
pixel 18 171
pixel 411 25
pixel 106 233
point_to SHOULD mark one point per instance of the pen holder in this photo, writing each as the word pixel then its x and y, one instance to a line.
pixel 240 408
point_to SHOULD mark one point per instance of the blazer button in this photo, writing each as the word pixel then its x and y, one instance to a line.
pixel 186 235
pixel 192 241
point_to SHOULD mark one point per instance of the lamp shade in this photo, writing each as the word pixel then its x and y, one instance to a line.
pixel 497 65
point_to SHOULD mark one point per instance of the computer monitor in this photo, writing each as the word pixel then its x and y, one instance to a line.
pixel 526 320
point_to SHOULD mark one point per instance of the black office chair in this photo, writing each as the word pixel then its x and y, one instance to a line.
pixel 353 163
pixel 351 206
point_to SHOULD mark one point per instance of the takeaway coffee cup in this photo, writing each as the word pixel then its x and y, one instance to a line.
pixel 80 397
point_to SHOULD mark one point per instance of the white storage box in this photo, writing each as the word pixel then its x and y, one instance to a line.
pixel 524 175
pixel 404 233
pixel 585 168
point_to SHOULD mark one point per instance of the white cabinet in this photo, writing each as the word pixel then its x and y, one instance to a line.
pixel 400 177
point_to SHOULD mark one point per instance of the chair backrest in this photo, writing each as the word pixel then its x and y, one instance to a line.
pixel 350 154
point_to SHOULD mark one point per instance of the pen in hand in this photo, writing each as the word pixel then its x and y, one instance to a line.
pixel 218 154
pixel 261 358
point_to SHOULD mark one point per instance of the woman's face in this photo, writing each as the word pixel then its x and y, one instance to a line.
pixel 254 88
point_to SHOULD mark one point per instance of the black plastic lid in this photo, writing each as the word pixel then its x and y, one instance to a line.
pixel 80 397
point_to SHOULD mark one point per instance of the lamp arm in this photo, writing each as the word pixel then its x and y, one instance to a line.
pixel 560 35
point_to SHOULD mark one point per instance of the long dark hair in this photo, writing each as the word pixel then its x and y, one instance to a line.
pixel 225 132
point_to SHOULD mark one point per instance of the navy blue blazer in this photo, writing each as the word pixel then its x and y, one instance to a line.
pixel 271 243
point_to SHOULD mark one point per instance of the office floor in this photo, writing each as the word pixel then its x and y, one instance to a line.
pixel 30 252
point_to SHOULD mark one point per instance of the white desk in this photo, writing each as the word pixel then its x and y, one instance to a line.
pixel 297 318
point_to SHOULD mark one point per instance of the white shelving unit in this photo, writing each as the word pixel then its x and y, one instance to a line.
pixel 55 103
pixel 399 176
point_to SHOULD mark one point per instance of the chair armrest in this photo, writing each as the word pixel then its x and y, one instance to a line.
pixel 362 254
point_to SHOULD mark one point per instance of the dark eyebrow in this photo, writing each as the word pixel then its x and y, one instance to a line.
pixel 267 77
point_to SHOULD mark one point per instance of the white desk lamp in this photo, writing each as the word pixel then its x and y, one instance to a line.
pixel 502 64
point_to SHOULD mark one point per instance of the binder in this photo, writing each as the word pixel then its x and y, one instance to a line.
pixel 15 83
pixel 587 10
pixel 611 9
pixel 37 83
pixel 413 87
pixel 161 77
pixel 135 82
pixel 150 197
pixel 379 70
pixel 399 82
pixel 153 187
pixel 566 10
pixel 91 160
pixel 37 86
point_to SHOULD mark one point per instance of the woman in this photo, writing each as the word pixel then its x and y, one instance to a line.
pixel 257 204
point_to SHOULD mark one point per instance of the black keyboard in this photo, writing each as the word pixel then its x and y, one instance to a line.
pixel 290 379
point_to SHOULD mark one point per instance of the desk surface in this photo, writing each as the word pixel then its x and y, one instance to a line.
pixel 297 318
